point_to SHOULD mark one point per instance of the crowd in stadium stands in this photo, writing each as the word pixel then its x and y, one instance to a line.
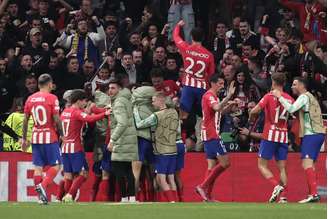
pixel 84 44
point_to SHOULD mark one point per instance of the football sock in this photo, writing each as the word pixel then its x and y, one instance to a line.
pixel 77 183
pixel 273 181
pixel 169 195
pixel 311 180
pixel 210 179
pixel 180 194
pixel 67 184
pixel 284 193
pixel 61 190
pixel 51 174
pixel 95 187
pixel 37 180
pixel 103 192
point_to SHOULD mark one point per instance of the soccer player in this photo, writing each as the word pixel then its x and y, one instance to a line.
pixel 312 131
pixel 73 120
pixel 217 157
pixel 199 66
pixel 275 136
pixel 44 109
pixel 181 150
pixel 166 121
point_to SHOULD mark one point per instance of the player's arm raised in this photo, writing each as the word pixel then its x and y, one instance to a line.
pixel 176 36
pixel 220 106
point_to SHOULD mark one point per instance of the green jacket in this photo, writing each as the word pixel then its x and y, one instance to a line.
pixel 123 131
pixel 101 100
pixel 142 102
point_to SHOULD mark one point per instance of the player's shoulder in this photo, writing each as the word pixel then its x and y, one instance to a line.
pixel 209 95
pixel 287 96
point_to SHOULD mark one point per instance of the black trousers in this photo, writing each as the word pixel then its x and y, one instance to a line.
pixel 124 176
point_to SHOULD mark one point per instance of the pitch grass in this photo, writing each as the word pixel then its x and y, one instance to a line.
pixel 11 210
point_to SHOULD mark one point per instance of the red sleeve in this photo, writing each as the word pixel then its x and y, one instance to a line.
pixel 295 6
pixel 178 40
pixel 97 110
pixel 210 100
pixel 55 107
pixel 264 101
pixel 82 116
pixel 27 108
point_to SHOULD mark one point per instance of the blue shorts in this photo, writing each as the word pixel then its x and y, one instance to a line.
pixel 180 156
pixel 311 145
pixel 165 164
pixel 46 154
pixel 191 97
pixel 214 148
pixel 106 163
pixel 145 150
pixel 75 162
pixel 270 148
pixel 97 168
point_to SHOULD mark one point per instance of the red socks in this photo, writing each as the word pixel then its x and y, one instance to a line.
pixel 311 180
pixel 284 193
pixel 67 184
pixel 95 187
pixel 180 194
pixel 103 191
pixel 213 174
pixel 170 195
pixel 273 181
pixel 77 183
pixel 37 180
pixel 51 174
pixel 61 190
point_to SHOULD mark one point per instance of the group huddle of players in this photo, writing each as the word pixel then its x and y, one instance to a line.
pixel 201 86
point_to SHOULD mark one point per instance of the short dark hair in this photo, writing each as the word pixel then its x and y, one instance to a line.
pixel 31 76
pixel 220 21
pixel 70 58
pixel 116 81
pixel 244 20
pixel 256 60
pixel 110 23
pixel 126 53
pixel 248 44
pixel 197 34
pixel 77 94
pixel 279 78
pixel 303 80
pixel 44 79
pixel 156 73
pixel 215 78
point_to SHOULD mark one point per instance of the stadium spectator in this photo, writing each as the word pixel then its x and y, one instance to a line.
pixel 84 44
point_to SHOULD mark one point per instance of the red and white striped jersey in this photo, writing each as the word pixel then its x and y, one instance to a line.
pixel 198 62
pixel 211 119
pixel 73 120
pixel 276 116
pixel 42 107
